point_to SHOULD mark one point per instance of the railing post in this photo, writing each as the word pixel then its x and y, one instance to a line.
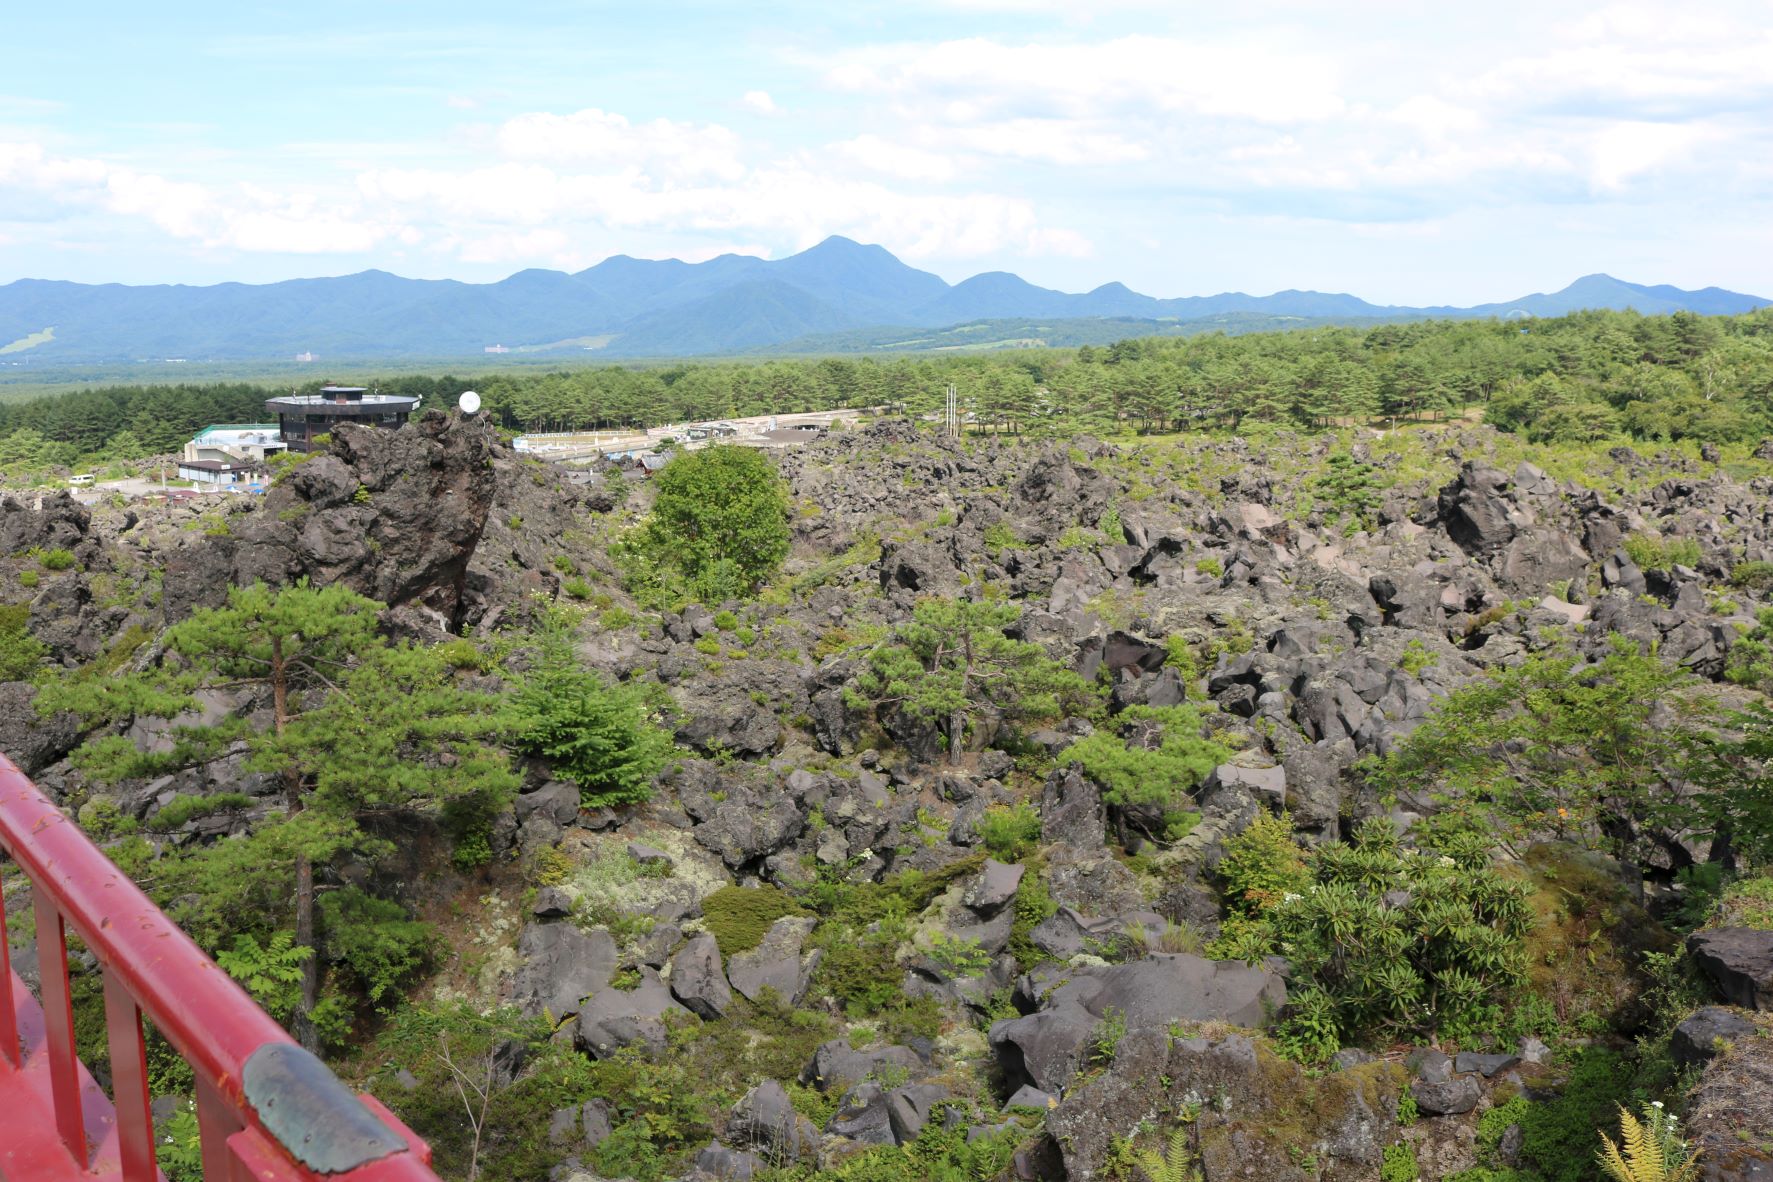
pixel 129 1082
pixel 10 1051
pixel 216 1122
pixel 58 1024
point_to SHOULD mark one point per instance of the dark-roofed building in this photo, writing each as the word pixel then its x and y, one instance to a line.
pixel 222 473
pixel 303 417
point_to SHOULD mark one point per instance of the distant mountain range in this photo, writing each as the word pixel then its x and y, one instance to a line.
pixel 839 296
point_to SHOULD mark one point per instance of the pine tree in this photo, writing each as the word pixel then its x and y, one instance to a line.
pixel 358 728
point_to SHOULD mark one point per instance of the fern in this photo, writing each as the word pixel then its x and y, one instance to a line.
pixel 1650 1150
pixel 1170 1165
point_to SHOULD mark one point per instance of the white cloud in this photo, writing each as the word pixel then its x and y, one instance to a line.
pixel 1139 76
pixel 895 159
pixel 607 140
pixel 760 102
pixel 1625 151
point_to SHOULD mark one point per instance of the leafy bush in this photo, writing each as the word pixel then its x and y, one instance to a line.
pixel 182 809
pixel 1009 832
pixel 1750 660
pixel 940 1154
pixel 1033 905
pixel 1399 1163
pixel 374 941
pixel 719 527
pixel 739 917
pixel 1389 940
pixel 954 659
pixel 1149 785
pixel 1652 552
pixel 1559 745
pixel 21 654
pixel 1755 576
pixel 55 559
pixel 1349 487
pixel 597 735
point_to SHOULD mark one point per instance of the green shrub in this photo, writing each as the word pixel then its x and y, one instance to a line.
pixel 1000 539
pixel 21 654
pixel 1652 552
pixel 1033 906
pixel 29 578
pixel 1210 566
pixel 599 736
pixel 377 945
pixel 55 559
pixel 1416 658
pixel 1349 487
pixel 1443 959
pixel 739 917
pixel 1149 787
pixel 940 1154
pixel 726 621
pixel 183 809
pixel 1750 660
pixel 1010 832
pixel 718 529
pixel 1755 576
pixel 577 588
pixel 1110 525
pixel 708 646
pixel 1179 655
pixel 1399 1163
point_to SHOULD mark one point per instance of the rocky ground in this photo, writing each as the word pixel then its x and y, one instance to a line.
pixel 1319 638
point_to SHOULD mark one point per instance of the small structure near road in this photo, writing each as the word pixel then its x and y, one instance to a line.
pixel 221 473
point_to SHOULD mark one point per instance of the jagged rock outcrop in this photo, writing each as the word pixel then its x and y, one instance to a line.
pixel 394 515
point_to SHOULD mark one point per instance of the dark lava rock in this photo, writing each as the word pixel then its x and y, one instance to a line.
pixel 1046 1048
pixel 697 979
pixel 1740 963
pixel 1696 1038
pixel 561 966
pixel 1447 1097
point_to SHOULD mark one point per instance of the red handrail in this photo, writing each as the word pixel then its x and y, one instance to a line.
pixel 266 1109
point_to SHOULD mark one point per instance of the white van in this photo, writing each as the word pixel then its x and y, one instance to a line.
pixel 80 481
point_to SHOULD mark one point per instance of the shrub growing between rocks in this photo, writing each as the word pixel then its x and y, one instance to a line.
pixel 1388 940
pixel 739 917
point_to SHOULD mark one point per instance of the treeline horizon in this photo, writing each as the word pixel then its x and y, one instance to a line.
pixel 1578 378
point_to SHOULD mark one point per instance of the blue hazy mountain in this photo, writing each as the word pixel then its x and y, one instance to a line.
pixel 627 307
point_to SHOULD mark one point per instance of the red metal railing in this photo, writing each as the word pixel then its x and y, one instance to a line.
pixel 266 1109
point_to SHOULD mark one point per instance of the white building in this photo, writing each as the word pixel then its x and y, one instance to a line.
pixel 248 444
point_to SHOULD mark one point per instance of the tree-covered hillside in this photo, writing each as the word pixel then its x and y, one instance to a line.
pixel 1582 377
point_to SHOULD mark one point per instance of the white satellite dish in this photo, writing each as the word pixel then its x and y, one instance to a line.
pixel 469 402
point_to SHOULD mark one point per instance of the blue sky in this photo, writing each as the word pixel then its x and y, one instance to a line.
pixel 1409 153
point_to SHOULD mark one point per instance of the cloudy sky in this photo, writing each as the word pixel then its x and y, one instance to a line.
pixel 1407 152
